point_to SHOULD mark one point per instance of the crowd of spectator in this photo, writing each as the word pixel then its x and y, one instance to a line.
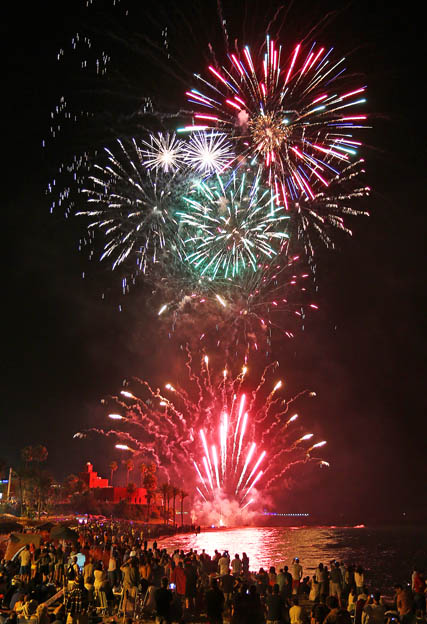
pixel 113 571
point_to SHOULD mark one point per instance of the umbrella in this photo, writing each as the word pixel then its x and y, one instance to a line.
pixel 18 541
pixel 63 533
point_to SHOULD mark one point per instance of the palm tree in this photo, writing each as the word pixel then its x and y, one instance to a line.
pixel 150 484
pixel 142 471
pixel 31 473
pixel 27 454
pixel 169 498
pixel 113 467
pixel 164 490
pixel 36 454
pixel 40 454
pixel 43 482
pixel 175 493
pixel 149 497
pixel 19 474
pixel 182 495
pixel 129 467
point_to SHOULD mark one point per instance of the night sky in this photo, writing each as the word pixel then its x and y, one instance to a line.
pixel 363 352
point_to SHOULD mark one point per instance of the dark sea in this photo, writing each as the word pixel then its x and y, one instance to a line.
pixel 387 554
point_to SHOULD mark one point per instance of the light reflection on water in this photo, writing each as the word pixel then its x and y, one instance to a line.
pixel 388 554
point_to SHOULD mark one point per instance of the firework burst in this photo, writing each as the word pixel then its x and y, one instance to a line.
pixel 164 151
pixel 321 217
pixel 208 152
pixel 297 113
pixel 133 208
pixel 231 225
pixel 240 314
pixel 223 432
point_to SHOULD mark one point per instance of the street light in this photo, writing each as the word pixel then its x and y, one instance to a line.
pixel 115 416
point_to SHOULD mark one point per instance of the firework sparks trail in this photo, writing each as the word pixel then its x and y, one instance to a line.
pixel 245 466
pixel 215 461
pixel 255 468
pixel 278 416
pixel 257 478
pixel 242 433
pixel 200 475
pixel 236 430
pixel 251 500
pixel 223 457
pixel 291 465
pixel 201 494
pixel 223 432
pixel 208 472
pixel 205 447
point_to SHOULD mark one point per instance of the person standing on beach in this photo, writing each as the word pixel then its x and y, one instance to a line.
pixel 214 599
pixel 245 564
pixel 274 605
pixel 359 579
pixel 296 572
pixel 335 584
pixel 419 589
pixel 223 564
pixel 179 579
pixel 236 566
pixel 295 612
pixel 404 604
pixel 319 612
pixel 373 611
pixel 228 582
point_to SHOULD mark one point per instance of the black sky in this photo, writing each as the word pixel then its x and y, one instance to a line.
pixel 363 354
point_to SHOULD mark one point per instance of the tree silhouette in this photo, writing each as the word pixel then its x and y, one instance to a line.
pixel 34 454
pixel 164 489
pixel 129 467
pixel 175 492
pixel 182 495
pixel 32 477
pixel 149 482
pixel 42 483
pixel 113 467
pixel 74 485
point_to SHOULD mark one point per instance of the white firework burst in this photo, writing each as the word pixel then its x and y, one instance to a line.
pixel 164 151
pixel 209 152
pixel 133 208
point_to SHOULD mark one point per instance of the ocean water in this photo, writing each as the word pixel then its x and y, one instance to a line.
pixel 387 554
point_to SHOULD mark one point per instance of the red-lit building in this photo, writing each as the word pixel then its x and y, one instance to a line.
pixel 91 479
pixel 105 492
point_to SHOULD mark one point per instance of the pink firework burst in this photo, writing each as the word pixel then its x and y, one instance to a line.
pixel 295 113
pixel 225 434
